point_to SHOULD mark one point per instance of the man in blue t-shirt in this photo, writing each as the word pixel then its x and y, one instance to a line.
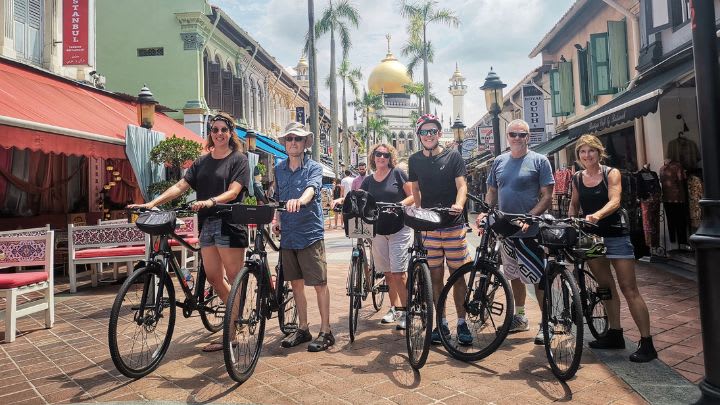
pixel 521 181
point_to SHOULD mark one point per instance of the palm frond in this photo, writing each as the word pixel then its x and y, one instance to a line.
pixel 445 16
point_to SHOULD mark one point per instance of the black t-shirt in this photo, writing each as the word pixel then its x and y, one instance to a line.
pixel 211 177
pixel 436 178
pixel 389 190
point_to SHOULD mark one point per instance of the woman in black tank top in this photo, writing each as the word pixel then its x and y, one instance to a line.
pixel 596 193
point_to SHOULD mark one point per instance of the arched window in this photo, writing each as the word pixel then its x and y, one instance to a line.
pixel 237 93
pixel 227 90
pixel 215 84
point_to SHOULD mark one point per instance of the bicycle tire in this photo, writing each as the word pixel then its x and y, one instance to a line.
pixel 287 310
pixel 212 321
pixel 355 294
pixel 120 341
pixel 419 315
pixel 563 309
pixel 243 337
pixel 595 311
pixel 378 297
pixel 491 300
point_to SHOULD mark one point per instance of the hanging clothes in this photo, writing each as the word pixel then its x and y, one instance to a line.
pixel 649 192
pixel 684 151
pixel 672 176
pixel 695 193
pixel 562 181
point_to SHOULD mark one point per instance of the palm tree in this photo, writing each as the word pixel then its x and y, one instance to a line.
pixel 334 19
pixel 378 127
pixel 352 77
pixel 417 89
pixel 369 102
pixel 414 50
pixel 420 15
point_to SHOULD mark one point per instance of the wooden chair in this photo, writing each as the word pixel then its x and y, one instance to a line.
pixel 23 248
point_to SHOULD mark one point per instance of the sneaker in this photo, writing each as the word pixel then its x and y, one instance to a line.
pixel 519 324
pixel 540 338
pixel 390 316
pixel 436 335
pixel 464 336
pixel 300 336
pixel 400 320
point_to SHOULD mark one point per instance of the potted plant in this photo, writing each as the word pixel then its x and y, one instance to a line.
pixel 175 154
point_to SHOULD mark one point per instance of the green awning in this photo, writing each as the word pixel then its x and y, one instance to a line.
pixel 555 144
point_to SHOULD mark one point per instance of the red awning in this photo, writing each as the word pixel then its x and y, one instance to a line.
pixel 41 111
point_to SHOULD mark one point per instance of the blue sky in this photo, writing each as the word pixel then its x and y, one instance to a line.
pixel 495 33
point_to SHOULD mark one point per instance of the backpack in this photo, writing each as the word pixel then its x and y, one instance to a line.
pixel 359 204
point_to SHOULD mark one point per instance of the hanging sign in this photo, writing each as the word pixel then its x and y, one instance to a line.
pixel 300 115
pixel 75 32
pixel 534 113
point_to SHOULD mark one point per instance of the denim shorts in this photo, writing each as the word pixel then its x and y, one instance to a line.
pixel 215 233
pixel 619 248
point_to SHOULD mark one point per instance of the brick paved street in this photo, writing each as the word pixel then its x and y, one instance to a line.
pixel 70 362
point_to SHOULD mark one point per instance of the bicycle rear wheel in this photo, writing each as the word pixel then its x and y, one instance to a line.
pixel 139 331
pixel 355 294
pixel 419 315
pixel 562 323
pixel 244 325
pixel 287 311
pixel 212 310
pixel 488 311
pixel 595 312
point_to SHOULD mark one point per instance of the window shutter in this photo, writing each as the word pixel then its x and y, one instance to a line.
pixel 591 77
pixel 618 50
pixel 567 93
pixel 214 78
pixel 555 93
pixel 600 64
pixel 227 91
pixel 237 98
pixel 20 19
pixel 583 77
pixel 34 31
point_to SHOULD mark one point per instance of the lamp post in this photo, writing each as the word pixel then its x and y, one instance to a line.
pixel 459 133
pixel 493 88
pixel 251 139
pixel 146 108
pixel 707 238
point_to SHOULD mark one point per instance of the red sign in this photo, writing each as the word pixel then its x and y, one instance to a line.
pixel 75 32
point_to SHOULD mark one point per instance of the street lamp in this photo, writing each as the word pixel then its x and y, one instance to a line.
pixel 459 133
pixel 146 108
pixel 251 139
pixel 493 88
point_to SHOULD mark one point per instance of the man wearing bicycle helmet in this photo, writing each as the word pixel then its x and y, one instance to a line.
pixel 437 176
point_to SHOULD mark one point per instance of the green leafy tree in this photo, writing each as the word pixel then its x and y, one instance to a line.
pixel 351 76
pixel 418 90
pixel 336 20
pixel 368 103
pixel 420 15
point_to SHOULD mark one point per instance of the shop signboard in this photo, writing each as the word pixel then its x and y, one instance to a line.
pixel 534 113
pixel 469 145
pixel 300 115
pixel 75 32
pixel 485 138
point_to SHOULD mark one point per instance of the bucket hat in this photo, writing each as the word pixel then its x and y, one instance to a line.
pixel 297 129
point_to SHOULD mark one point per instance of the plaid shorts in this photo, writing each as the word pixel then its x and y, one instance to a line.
pixel 449 244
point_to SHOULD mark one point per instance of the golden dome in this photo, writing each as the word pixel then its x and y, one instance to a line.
pixel 389 76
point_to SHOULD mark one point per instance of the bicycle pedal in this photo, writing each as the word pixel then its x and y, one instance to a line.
pixel 383 288
pixel 497 308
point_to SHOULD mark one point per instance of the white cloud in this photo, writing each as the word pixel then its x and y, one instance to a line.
pixel 492 33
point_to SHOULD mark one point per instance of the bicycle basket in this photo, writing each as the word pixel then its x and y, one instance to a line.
pixel 421 219
pixel 557 236
pixel 252 214
pixel 156 222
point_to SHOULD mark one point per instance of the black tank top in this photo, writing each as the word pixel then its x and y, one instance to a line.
pixel 592 199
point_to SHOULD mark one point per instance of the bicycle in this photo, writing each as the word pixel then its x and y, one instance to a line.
pixel 488 300
pixel 254 296
pixel 562 315
pixel 145 305
pixel 363 278
pixel 592 296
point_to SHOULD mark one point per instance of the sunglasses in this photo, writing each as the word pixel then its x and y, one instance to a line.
pixel 425 132
pixel 294 139
pixel 215 130
pixel 517 134
pixel 385 155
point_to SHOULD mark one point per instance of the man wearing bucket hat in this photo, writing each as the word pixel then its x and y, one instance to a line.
pixel 299 179
pixel 429 171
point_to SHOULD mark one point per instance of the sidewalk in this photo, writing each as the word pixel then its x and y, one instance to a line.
pixel 70 362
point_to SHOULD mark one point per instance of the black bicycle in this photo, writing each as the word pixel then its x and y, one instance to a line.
pixel 487 304
pixel 142 318
pixel 592 296
pixel 363 278
pixel 254 296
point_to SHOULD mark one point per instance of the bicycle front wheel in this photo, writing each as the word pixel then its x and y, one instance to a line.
pixel 142 320
pixel 488 309
pixel 287 311
pixel 419 315
pixel 562 324
pixel 244 325
pixel 355 294
pixel 595 312
pixel 212 310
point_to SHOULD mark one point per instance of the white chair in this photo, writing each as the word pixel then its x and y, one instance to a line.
pixel 30 247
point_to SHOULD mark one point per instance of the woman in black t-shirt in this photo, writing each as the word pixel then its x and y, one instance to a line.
pixel 596 193
pixel 219 176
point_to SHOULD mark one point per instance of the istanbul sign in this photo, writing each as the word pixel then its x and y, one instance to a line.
pixel 75 32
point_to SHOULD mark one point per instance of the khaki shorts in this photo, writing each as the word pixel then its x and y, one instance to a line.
pixel 306 264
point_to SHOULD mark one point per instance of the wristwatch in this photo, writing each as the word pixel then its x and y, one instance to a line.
pixel 214 201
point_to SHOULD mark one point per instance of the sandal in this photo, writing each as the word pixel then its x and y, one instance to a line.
pixel 322 342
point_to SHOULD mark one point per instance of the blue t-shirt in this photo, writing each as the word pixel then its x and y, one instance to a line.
pixel 300 229
pixel 518 181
